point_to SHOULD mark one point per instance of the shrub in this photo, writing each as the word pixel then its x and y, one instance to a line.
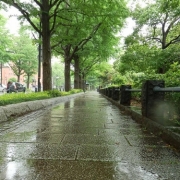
pixel 14 98
pixel 74 91
pixel 54 93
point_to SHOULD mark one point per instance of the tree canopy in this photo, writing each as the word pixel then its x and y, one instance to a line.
pixel 153 47
pixel 70 25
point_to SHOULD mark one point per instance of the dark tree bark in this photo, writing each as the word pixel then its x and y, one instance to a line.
pixel 80 81
pixel 67 64
pixel 83 82
pixel 28 79
pixel 76 72
pixel 46 52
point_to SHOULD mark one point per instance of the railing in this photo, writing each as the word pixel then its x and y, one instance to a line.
pixel 168 89
pixel 152 97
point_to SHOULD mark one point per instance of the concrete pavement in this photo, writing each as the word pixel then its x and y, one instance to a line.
pixel 84 138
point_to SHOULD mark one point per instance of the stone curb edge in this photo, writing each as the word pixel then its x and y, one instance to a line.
pixel 166 134
pixel 14 110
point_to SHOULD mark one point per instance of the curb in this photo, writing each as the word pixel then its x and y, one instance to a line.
pixel 14 110
pixel 165 133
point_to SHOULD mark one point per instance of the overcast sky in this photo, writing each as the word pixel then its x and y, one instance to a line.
pixel 12 22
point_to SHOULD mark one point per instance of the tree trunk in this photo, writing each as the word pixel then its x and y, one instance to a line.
pixel 161 70
pixel 80 83
pixel 68 56
pixel 67 63
pixel 83 82
pixel 76 72
pixel 28 78
pixel 18 78
pixel 46 47
pixel 67 75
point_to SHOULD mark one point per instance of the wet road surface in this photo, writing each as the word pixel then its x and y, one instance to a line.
pixel 86 138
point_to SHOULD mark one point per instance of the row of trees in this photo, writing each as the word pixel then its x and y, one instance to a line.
pixel 18 52
pixel 82 32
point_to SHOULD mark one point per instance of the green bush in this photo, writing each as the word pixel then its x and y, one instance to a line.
pixel 172 76
pixel 54 93
pixel 14 98
pixel 74 91
pixel 172 79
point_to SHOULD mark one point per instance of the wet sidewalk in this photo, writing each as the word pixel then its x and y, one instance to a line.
pixel 86 138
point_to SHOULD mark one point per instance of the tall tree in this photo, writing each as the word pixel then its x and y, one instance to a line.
pixel 23 56
pixel 84 21
pixel 42 16
pixel 29 51
pixel 101 48
pixel 162 23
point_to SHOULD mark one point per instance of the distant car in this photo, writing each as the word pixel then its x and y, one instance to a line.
pixel 3 88
pixel 16 87
pixel 20 87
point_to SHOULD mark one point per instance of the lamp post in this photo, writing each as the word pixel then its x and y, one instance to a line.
pixel 39 56
pixel 39 66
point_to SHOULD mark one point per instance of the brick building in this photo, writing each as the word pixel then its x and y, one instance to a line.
pixel 8 73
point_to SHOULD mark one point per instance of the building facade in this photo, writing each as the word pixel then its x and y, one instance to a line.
pixel 7 73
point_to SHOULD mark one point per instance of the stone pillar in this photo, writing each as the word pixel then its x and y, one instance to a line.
pixel 152 101
pixel 106 90
pixel 109 92
pixel 125 96
pixel 115 93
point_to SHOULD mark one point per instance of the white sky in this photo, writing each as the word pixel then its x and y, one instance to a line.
pixel 128 28
pixel 13 24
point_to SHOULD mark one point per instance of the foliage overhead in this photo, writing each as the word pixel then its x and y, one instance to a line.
pixel 71 24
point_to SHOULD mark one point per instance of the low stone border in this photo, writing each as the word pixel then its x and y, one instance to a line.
pixel 14 110
pixel 165 133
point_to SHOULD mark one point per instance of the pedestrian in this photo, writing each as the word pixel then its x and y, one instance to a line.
pixel 8 86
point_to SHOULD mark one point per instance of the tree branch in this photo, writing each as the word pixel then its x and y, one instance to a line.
pixel 26 15
pixel 38 3
pixel 173 41
pixel 55 14
pixel 157 39
pixel 84 41
pixel 171 24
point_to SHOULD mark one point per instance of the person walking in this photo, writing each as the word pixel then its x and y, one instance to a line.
pixel 8 86
pixel 11 87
